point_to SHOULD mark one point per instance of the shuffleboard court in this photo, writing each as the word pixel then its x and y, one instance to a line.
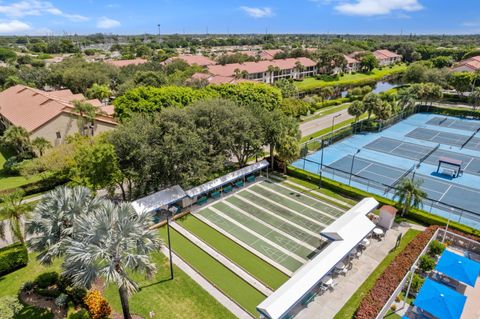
pixel 277 223
pixel 471 164
pixel 458 124
pixel 446 138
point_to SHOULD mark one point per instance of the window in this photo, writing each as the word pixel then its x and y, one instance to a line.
pixel 59 135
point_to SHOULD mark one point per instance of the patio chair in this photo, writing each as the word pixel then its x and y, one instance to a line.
pixel 323 289
pixel 333 285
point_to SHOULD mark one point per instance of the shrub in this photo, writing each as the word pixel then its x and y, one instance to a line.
pixel 9 307
pixel 81 314
pixel 417 283
pixel 61 300
pixel 427 263
pixel 77 294
pixel 393 307
pixel 12 257
pixel 46 279
pixel 48 292
pixel 28 286
pixel 436 248
pixel 97 306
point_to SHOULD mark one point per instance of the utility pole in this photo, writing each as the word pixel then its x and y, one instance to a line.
pixel 159 33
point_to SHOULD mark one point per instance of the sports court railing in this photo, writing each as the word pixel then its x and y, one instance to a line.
pixel 454 213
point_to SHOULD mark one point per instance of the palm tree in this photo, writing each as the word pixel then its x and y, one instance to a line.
pixel 40 144
pixel 53 217
pixel 300 68
pixel 406 98
pixel 115 242
pixel 356 109
pixel 101 92
pixel 18 138
pixel 326 92
pixel 12 210
pixel 87 114
pixel 475 98
pixel 371 101
pixel 272 70
pixel 409 194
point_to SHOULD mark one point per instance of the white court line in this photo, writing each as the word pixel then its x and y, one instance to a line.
pixel 298 202
pixel 301 228
pixel 286 208
pixel 368 165
pixel 298 241
pixel 255 234
pixel 313 198
pixel 445 193
pixel 244 245
pixel 469 162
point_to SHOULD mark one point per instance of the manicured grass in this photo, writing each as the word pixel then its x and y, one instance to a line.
pixel 180 298
pixel 326 111
pixel 29 312
pixel 392 315
pixel 329 129
pixel 254 265
pixel 11 283
pixel 350 79
pixel 353 303
pixel 7 181
pixel 320 190
pixel 220 276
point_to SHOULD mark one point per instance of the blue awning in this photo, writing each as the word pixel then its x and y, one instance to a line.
pixel 440 301
pixel 459 268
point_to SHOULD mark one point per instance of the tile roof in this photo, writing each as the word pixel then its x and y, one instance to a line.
pixel 385 54
pixel 31 108
pixel 194 59
pixel 122 63
pixel 350 60
pixel 258 67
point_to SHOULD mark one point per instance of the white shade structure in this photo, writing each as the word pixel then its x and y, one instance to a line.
pixel 345 234
pixel 159 199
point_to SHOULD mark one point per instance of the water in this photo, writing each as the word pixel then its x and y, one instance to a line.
pixel 380 87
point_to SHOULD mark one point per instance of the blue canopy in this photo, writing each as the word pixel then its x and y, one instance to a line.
pixel 440 301
pixel 459 268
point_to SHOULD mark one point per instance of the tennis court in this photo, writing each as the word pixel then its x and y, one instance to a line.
pixel 437 189
pixel 277 223
pixel 471 126
pixel 446 138
pixel 431 155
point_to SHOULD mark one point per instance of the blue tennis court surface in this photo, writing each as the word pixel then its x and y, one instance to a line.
pixel 412 149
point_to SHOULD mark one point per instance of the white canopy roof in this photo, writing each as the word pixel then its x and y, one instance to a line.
pixel 225 179
pixel 159 199
pixel 347 231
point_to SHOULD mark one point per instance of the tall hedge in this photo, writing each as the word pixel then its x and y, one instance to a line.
pixel 12 258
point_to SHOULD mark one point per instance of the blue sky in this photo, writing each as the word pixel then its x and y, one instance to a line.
pixel 246 16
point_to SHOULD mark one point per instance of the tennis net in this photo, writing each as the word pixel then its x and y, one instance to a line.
pixel 470 138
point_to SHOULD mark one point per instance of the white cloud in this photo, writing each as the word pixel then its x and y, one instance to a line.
pixel 377 7
pixel 13 27
pixel 36 8
pixel 257 12
pixel 107 23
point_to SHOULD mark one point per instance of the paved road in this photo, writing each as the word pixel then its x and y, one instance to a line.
pixel 323 122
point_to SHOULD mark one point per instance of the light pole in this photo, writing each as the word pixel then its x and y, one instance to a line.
pixel 448 223
pixel 351 167
pixel 168 212
pixel 333 124
pixel 409 285
pixel 321 163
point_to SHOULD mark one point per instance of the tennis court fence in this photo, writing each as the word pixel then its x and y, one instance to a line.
pixel 456 213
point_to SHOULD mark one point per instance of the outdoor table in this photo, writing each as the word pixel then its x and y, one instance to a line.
pixel 340 265
pixel 327 281
pixel 378 232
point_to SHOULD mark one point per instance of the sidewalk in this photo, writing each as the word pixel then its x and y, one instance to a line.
pixel 217 294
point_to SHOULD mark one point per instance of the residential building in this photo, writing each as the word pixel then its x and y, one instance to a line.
pixel 386 57
pixel 122 63
pixel 50 115
pixel 267 71
pixel 469 65
pixel 192 59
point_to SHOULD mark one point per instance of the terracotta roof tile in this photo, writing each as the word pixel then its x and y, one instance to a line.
pixel 194 59
pixel 122 63
pixel 385 54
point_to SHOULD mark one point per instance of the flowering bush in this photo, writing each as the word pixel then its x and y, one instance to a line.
pixel 97 306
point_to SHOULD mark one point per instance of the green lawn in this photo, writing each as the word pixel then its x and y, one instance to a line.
pixel 329 129
pixel 350 79
pixel 7 181
pixel 326 111
pixel 220 276
pixel 180 298
pixel 352 304
pixel 11 283
pixel 254 265
pixel 29 312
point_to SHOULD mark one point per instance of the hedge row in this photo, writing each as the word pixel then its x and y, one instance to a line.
pixel 38 186
pixel 392 276
pixel 450 111
pixel 13 257
pixel 418 215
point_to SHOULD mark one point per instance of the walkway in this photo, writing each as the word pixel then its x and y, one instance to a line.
pixel 222 259
pixel 323 122
pixel 217 294
pixel 327 305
